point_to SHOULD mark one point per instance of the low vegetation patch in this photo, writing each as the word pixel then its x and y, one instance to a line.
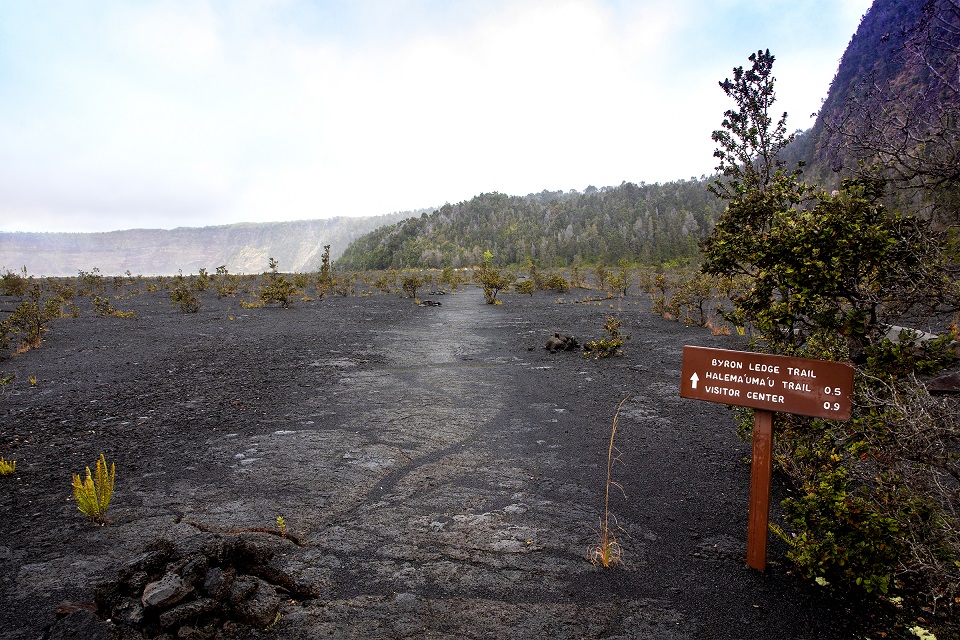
pixel 607 552
pixel 93 493
pixel 611 345
pixel 7 467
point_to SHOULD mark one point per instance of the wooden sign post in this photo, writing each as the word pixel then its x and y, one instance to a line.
pixel 761 470
pixel 768 384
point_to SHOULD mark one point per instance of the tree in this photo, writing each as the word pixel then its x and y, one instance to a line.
pixel 826 275
pixel 31 317
pixel 750 142
pixel 277 290
pixel 412 282
pixel 754 183
pixel 621 282
pixel 325 280
pixel 492 280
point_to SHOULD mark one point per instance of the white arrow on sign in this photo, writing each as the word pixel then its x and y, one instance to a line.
pixel 694 379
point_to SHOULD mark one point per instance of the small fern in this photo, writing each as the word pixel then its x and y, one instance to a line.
pixel 93 494
pixel 7 467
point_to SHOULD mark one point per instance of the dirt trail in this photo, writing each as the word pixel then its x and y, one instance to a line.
pixel 437 525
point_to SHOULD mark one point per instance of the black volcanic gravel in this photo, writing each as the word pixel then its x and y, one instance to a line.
pixel 443 472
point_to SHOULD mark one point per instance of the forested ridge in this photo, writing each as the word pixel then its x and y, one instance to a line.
pixel 888 79
pixel 645 223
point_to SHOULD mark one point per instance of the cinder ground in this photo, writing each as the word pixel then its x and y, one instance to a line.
pixel 445 473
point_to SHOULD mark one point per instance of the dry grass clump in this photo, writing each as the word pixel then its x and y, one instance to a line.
pixel 607 552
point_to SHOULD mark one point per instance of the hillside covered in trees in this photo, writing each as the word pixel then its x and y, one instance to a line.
pixel 649 223
pixel 892 87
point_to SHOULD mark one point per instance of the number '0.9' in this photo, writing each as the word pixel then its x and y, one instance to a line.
pixel 831 406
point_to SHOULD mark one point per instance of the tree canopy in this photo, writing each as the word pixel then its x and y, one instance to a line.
pixel 645 223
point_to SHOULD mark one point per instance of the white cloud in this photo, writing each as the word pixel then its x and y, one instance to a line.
pixel 169 113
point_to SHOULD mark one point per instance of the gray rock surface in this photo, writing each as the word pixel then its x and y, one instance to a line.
pixel 442 474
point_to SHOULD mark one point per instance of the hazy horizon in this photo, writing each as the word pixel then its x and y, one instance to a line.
pixel 156 115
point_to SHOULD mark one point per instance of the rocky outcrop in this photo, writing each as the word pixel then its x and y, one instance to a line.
pixel 561 342
pixel 195 587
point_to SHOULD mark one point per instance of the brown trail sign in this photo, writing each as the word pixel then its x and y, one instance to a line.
pixel 767 383
pixel 803 386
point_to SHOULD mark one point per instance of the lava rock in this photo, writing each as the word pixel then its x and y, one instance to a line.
pixel 81 623
pixel 165 592
pixel 243 587
pixel 561 342
pixel 128 612
pixel 194 569
pixel 150 561
pixel 251 549
pixel 187 611
pixel 260 608
pixel 218 581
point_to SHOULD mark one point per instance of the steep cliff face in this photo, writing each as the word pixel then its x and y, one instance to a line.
pixel 242 248
pixel 894 92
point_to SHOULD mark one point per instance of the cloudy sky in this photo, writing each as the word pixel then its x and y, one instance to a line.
pixel 157 114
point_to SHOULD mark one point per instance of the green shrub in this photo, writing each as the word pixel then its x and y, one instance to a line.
pixel 601 274
pixel 872 503
pixel 576 277
pixel 837 534
pixel 612 345
pixel 452 278
pixel 556 282
pixel 525 287
pixel 14 284
pixel 412 282
pixel 621 281
pixel 344 285
pixel 31 317
pixel 325 278
pixel 225 282
pixel 184 297
pixel 91 282
pixel 660 286
pixel 300 281
pixel 278 289
pixel 386 282
pixel 104 308
pixel 202 281
pixel 691 296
